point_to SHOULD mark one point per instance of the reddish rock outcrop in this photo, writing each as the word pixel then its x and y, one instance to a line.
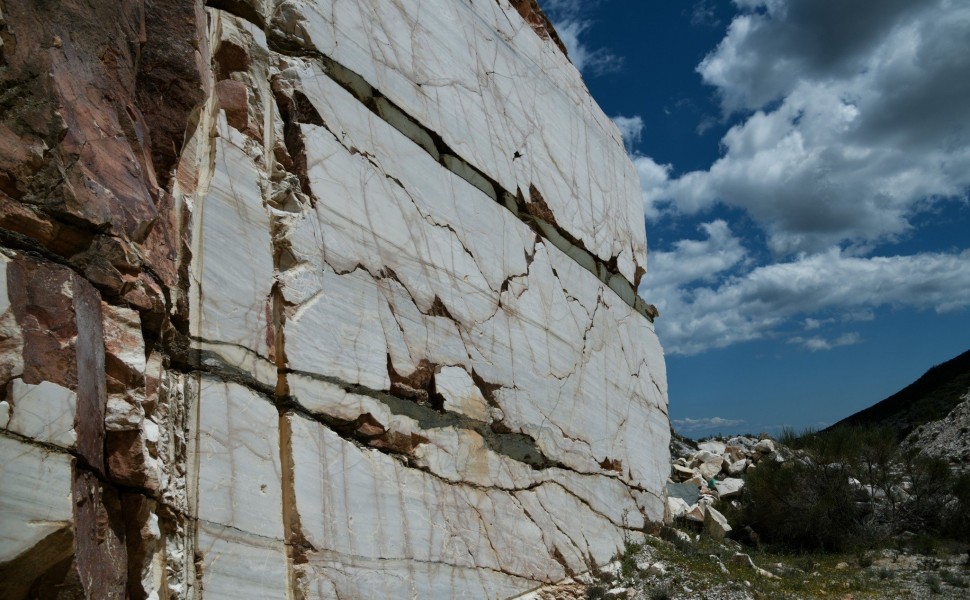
pixel 96 99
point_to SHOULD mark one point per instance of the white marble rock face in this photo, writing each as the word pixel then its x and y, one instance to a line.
pixel 409 392
pixel 504 99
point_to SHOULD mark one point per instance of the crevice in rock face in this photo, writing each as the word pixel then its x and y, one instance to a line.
pixel 378 563
pixel 297 546
pixel 539 217
pixel 517 446
pixel 295 108
pixel 209 362
pixel 418 385
pixel 240 8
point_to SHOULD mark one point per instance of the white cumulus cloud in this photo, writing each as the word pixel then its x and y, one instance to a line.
pixel 855 118
pixel 631 128
pixel 850 119
pixel 705 423
pixel 710 297
pixel 571 20
pixel 816 343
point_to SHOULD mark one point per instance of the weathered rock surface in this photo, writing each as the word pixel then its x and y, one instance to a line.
pixel 314 299
pixel 947 438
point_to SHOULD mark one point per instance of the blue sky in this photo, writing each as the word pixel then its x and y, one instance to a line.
pixel 805 167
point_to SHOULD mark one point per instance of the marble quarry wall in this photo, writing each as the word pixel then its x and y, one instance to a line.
pixel 315 299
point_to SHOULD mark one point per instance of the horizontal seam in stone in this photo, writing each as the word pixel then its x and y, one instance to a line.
pixel 284 45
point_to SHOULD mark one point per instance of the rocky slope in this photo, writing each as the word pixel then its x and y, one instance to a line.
pixel 314 299
pixel 948 438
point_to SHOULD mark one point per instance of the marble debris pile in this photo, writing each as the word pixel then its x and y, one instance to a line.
pixel 711 471
pixel 315 299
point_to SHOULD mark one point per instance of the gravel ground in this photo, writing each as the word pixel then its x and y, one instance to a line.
pixel 704 569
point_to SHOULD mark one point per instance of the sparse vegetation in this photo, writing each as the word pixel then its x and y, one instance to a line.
pixel 851 488
pixel 661 592
pixel 952 579
pixel 596 592
pixel 712 569
pixel 628 561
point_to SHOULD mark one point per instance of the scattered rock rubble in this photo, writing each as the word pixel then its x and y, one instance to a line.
pixel 712 471
pixel 947 438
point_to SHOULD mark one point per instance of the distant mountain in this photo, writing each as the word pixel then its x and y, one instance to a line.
pixel 929 398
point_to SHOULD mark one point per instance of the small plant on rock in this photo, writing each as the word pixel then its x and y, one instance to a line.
pixel 628 562
pixel 660 593
pixel 951 578
pixel 864 559
pixel 595 592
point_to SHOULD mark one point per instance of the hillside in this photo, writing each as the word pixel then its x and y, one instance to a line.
pixel 929 398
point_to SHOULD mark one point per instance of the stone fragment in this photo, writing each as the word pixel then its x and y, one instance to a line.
pixel 44 412
pixel 744 560
pixel 738 467
pixel 765 446
pixel 677 508
pixel 720 565
pixel 712 446
pixel 695 513
pixel 681 473
pixel 461 394
pixel 710 468
pixel 734 453
pixel 688 492
pixel 745 443
pixel 729 487
pixel 715 525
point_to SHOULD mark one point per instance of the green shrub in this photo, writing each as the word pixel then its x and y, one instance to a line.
pixel 596 592
pixel 930 492
pixel 660 593
pixel 955 580
pixel 959 522
pixel 802 506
